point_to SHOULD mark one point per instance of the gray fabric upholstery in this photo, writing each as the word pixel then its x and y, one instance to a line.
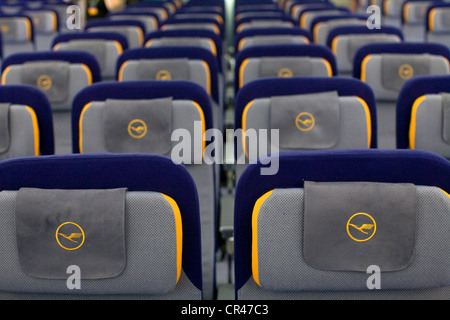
pixel 183 26
pixel 150 23
pixel 138 126
pixel 14 29
pixel 252 70
pixel 133 34
pixel 150 248
pixel 44 21
pixel 400 68
pixel 380 219
pixel 51 77
pixel 441 22
pixel 280 225
pixel 136 70
pixel 373 74
pixel 256 24
pixel 97 248
pixel 96 47
pixel 22 128
pixel 4 127
pixel 184 114
pixel 308 17
pixel 309 121
pixel 440 30
pixel 270 40
pixel 353 130
pixel 78 79
pixel 323 29
pixel 16 35
pixel 416 11
pixel 180 41
pixel 347 45
pixel 431 126
pixel 106 53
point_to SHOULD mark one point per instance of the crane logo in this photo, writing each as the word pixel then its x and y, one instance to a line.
pixel 137 128
pixel 305 121
pixel 163 75
pixel 406 71
pixel 70 236
pixel 285 73
pixel 44 82
pixel 361 227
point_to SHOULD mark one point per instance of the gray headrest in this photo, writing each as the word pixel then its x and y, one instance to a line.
pixel 164 69
pixel 88 226
pixel 138 126
pixel 309 121
pixel 397 69
pixel 51 77
pixel 4 127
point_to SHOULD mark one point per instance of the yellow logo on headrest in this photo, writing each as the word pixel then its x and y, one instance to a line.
pixel 405 71
pixel 70 236
pixel 361 227
pixel 285 73
pixel 4 28
pixel 44 82
pixel 163 75
pixel 137 128
pixel 305 121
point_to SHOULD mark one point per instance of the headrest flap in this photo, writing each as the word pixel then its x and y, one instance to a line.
pixel 285 67
pixel 13 29
pixel 355 43
pixel 350 226
pixel 138 126
pixel 308 121
pixel 59 228
pixel 52 77
pixel 96 47
pixel 164 69
pixel 398 68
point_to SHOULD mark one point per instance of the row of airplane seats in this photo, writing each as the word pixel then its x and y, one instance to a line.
pixel 101 113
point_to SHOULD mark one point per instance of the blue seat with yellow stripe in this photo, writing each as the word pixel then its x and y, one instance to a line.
pixel 423 115
pixel 105 46
pixel 27 124
pixel 288 60
pixel 104 226
pixel 167 118
pixel 344 224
